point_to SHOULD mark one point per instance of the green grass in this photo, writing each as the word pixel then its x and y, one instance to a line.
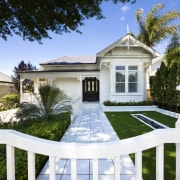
pixel 126 126
pixel 162 118
pixel 47 129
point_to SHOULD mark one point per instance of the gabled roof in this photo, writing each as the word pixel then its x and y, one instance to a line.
pixel 158 59
pixel 5 78
pixel 128 41
pixel 71 60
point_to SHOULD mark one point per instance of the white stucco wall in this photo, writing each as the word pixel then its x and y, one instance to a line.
pixel 71 86
pixel 105 84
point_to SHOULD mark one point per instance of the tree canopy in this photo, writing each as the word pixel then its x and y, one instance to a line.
pixel 34 20
pixel 156 26
pixel 173 51
pixel 22 66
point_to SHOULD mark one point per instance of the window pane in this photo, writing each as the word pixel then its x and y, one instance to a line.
pixel 132 87
pixel 133 77
pixel 120 67
pixel 120 76
pixel 120 87
pixel 132 67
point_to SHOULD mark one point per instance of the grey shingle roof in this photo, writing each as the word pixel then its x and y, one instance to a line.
pixel 5 78
pixel 72 60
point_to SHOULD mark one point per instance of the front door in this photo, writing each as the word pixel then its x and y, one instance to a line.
pixel 90 89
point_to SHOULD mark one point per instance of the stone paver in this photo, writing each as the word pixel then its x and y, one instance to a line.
pixel 91 125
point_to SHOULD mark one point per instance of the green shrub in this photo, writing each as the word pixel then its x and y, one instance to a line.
pixel 9 101
pixel 51 129
pixel 114 103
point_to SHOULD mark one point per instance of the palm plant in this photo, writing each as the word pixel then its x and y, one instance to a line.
pixel 155 27
pixel 173 51
pixel 52 101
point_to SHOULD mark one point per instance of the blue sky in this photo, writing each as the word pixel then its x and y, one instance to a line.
pixel 96 35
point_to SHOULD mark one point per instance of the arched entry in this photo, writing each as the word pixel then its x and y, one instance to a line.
pixel 90 89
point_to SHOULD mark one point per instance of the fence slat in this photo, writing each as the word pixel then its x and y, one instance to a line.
pixel 93 151
pixel 73 169
pixel 31 166
pixel 95 169
pixel 138 165
pixel 160 162
pixel 10 162
pixel 52 168
pixel 117 168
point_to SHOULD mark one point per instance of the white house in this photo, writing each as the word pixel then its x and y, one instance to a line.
pixel 117 73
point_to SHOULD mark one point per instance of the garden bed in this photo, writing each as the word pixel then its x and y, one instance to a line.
pixel 52 129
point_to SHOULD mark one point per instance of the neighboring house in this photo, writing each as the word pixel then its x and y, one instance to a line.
pixel 117 73
pixel 5 84
pixel 156 63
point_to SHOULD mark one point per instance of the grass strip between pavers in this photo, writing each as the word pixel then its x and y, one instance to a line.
pixel 127 126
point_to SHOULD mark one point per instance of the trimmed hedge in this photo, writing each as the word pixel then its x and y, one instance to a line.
pixel 142 103
pixel 51 129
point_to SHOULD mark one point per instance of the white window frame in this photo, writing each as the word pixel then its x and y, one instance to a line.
pixel 126 71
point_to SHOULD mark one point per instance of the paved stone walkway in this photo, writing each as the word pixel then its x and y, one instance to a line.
pixel 91 125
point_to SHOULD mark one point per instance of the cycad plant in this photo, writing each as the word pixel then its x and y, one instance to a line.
pixel 51 101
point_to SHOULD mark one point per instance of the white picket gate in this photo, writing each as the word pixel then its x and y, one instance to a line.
pixel 94 151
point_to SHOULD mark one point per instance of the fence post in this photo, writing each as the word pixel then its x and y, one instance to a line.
pixel 10 162
pixel 178 153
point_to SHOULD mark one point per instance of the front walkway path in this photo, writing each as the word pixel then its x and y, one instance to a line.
pixel 91 125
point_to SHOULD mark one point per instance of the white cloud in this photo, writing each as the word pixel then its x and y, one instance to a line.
pixel 125 8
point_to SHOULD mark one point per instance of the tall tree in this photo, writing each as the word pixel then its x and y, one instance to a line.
pixel 155 27
pixel 173 61
pixel 33 20
pixel 173 51
pixel 22 66
pixel 172 93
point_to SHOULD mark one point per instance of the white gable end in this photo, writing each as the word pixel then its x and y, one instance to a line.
pixel 127 43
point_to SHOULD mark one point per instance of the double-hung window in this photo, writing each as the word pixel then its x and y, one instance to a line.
pixel 132 79
pixel 126 79
pixel 120 79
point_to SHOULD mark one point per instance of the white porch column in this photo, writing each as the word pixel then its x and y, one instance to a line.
pixel 36 85
pixel 21 86
pixel 21 90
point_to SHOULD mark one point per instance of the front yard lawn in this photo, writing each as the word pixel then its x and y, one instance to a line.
pixel 127 126
pixel 162 118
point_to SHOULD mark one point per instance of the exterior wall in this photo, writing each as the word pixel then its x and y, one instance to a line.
pixel 5 84
pixel 71 86
pixel 5 89
pixel 105 84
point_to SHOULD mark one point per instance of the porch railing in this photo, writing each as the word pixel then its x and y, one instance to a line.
pixel 94 151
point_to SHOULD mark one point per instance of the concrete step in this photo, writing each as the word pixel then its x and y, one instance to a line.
pixel 90 104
